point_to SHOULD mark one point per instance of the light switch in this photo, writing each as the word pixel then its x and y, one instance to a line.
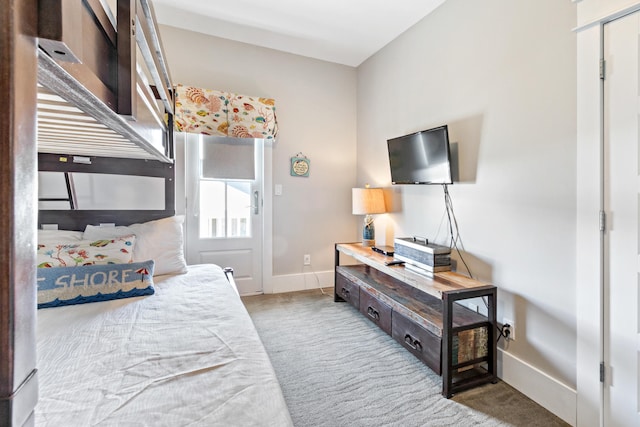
pixel 278 190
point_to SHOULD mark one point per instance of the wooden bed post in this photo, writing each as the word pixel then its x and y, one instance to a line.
pixel 18 169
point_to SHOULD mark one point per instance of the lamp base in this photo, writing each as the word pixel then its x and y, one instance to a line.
pixel 368 232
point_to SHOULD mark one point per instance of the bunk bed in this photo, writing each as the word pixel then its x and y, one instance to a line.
pixel 185 353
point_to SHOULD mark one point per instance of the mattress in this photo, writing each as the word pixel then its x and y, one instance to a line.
pixel 188 355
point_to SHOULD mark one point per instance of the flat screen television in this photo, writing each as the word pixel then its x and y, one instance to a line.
pixel 421 158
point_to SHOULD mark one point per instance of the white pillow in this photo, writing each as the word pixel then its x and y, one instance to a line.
pixel 58 236
pixel 161 240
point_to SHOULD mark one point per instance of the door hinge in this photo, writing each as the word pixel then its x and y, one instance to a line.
pixel 603 67
pixel 602 221
pixel 601 372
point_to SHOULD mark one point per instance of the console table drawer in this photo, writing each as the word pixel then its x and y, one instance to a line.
pixel 420 342
pixel 348 290
pixel 375 310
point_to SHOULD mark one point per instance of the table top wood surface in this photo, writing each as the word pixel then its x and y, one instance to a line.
pixel 436 285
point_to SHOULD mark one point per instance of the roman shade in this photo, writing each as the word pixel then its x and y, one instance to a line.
pixel 227 158
pixel 213 112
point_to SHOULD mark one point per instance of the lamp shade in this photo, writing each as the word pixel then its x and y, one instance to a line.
pixel 368 201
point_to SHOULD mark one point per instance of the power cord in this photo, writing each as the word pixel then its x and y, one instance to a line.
pixel 304 276
pixel 453 224
pixel 454 231
pixel 455 237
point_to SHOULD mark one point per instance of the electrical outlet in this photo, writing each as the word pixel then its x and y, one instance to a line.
pixel 307 259
pixel 511 328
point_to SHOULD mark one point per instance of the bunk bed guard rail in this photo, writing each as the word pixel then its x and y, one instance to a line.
pixel 104 84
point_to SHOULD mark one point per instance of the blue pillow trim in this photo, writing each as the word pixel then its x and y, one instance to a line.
pixel 99 297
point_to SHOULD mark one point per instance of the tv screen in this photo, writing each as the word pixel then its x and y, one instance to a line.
pixel 421 158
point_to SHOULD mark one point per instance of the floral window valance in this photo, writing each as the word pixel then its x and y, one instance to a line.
pixel 212 112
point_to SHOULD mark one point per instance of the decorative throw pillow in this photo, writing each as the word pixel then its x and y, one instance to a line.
pixel 111 250
pixel 161 240
pixel 93 283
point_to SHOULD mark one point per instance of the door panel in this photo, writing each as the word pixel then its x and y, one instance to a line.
pixel 224 218
pixel 622 206
pixel 241 260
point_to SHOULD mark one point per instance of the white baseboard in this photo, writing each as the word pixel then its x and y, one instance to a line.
pixel 302 281
pixel 548 392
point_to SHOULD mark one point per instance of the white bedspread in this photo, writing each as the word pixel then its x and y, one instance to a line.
pixel 187 356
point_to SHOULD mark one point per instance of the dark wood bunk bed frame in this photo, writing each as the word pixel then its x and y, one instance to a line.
pixel 56 52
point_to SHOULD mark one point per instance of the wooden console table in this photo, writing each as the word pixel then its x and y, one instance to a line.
pixel 421 314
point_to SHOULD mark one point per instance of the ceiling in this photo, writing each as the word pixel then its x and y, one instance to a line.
pixel 342 31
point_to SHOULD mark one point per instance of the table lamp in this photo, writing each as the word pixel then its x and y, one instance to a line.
pixel 367 201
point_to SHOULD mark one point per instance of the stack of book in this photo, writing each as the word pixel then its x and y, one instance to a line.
pixel 420 255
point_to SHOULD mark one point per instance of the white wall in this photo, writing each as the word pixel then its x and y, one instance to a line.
pixel 502 75
pixel 316 110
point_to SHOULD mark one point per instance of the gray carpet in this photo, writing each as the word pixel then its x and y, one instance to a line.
pixel 338 369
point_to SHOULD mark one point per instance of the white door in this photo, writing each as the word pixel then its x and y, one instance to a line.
pixel 622 207
pixel 224 216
